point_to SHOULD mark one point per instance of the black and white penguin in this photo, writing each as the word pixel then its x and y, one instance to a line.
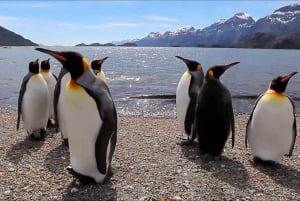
pixel 33 103
pixel 271 128
pixel 186 95
pixel 58 104
pixel 214 117
pixel 51 80
pixel 97 67
pixel 91 119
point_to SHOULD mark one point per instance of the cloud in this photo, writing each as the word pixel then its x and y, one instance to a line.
pixel 160 18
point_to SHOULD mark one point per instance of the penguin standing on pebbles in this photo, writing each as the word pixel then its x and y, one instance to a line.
pixel 58 104
pixel 214 118
pixel 186 95
pixel 97 67
pixel 271 128
pixel 33 103
pixel 91 119
pixel 51 80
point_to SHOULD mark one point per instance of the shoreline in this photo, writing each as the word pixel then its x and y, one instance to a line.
pixel 148 166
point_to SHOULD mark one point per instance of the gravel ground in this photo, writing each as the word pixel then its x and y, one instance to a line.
pixel 148 166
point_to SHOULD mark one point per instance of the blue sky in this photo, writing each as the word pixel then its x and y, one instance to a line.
pixel 73 22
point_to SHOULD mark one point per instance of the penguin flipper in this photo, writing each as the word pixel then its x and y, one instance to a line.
pixel 232 126
pixel 250 119
pixel 294 129
pixel 194 89
pixel 21 95
pixel 55 102
pixel 189 118
pixel 54 76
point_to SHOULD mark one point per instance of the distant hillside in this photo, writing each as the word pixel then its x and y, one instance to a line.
pixel 9 38
pixel 94 44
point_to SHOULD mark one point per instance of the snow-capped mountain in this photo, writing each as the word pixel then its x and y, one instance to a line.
pixel 282 21
pixel 227 32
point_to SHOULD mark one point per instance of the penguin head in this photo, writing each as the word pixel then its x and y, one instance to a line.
pixel 74 62
pixel 192 65
pixel 45 65
pixel 96 64
pixel 215 72
pixel 34 66
pixel 279 84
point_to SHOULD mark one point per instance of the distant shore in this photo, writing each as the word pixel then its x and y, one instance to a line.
pixel 148 166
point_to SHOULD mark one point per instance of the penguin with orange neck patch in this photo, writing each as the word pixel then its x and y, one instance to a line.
pixel 33 103
pixel 214 118
pixel 97 67
pixel 271 128
pixel 51 80
pixel 91 119
pixel 186 95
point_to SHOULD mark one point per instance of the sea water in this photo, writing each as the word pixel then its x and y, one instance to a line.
pixel 143 80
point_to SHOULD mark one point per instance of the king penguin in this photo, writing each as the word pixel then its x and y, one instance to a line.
pixel 58 101
pixel 91 119
pixel 33 103
pixel 271 128
pixel 214 116
pixel 97 67
pixel 51 80
pixel 186 95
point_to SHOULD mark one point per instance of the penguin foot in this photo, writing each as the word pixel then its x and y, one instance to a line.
pixel 259 161
pixel 206 158
pixel 50 124
pixel 65 142
pixel 185 141
pixel 81 178
pixel 38 135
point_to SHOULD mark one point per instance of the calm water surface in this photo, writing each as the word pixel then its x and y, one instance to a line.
pixel 139 71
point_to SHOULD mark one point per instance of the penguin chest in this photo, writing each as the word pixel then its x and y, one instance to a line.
pixel 83 124
pixel 35 105
pixel 51 82
pixel 182 97
pixel 61 110
pixel 270 131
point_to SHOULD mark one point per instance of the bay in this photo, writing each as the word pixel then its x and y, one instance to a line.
pixel 143 80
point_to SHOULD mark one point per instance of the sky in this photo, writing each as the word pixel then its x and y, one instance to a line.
pixel 69 23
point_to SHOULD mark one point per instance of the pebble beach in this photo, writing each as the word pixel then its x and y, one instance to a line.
pixel 148 166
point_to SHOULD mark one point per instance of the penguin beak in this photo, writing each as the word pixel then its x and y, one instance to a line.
pixel 186 61
pixel 55 54
pixel 102 60
pixel 227 66
pixel 286 78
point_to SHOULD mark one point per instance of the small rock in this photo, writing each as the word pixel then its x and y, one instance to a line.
pixel 11 169
pixel 74 190
pixel 7 192
pixel 144 198
pixel 223 166
pixel 176 198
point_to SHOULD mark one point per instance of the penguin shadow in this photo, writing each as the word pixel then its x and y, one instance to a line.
pixel 229 171
pixel 25 147
pixel 283 175
pixel 90 192
pixel 225 169
pixel 57 159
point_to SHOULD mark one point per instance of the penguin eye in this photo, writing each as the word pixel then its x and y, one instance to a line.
pixel 85 63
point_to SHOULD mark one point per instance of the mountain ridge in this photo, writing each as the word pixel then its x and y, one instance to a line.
pixel 9 38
